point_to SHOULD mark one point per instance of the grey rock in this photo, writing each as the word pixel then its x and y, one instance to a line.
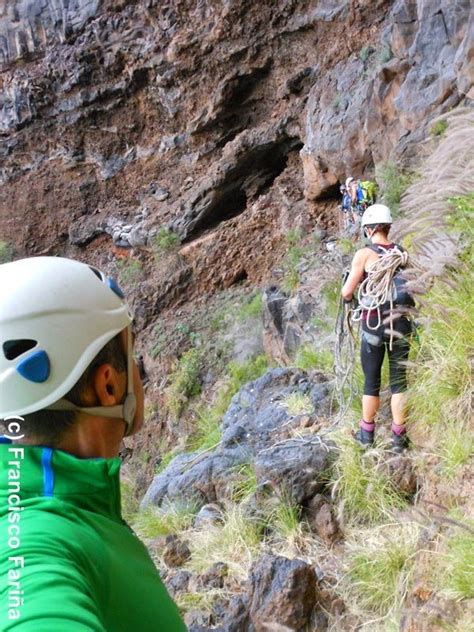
pixel 294 468
pixel 84 230
pixel 138 236
pixel 254 421
pixel 208 515
pixel 178 582
pixel 161 194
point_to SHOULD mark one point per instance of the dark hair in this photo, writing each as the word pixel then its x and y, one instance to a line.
pixel 49 426
pixel 380 228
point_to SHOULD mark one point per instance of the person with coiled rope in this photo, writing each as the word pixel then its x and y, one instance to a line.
pixel 384 311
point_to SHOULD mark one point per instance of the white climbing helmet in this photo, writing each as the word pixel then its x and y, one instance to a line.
pixel 349 180
pixel 377 214
pixel 56 314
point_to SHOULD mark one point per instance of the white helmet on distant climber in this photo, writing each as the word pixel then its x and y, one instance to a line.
pixel 377 214
pixel 55 316
pixel 349 180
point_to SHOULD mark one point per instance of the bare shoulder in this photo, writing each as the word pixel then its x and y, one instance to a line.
pixel 363 257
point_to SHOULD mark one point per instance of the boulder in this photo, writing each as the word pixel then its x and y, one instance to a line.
pixel 282 592
pixel 253 423
pixel 295 468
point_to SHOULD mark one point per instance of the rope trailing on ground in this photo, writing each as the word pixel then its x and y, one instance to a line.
pixel 344 357
pixel 376 290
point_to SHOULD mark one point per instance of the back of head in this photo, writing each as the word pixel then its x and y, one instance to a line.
pixel 56 315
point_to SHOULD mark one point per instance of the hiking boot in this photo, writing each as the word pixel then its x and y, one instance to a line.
pixel 400 443
pixel 364 437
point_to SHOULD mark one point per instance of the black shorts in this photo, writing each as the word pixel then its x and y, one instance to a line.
pixel 372 352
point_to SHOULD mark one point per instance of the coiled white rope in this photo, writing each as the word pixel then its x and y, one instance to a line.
pixel 377 288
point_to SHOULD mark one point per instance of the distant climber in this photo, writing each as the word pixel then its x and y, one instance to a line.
pixel 362 193
pixel 346 206
pixel 384 304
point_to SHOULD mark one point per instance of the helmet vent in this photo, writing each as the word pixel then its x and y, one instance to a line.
pixel 97 273
pixel 14 348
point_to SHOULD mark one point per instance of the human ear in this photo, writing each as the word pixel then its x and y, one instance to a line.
pixel 109 388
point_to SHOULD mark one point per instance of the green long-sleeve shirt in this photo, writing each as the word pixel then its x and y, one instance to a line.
pixel 68 562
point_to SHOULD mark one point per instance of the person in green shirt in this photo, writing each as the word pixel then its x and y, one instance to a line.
pixel 70 391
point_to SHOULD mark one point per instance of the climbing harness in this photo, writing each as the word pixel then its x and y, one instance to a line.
pixel 378 289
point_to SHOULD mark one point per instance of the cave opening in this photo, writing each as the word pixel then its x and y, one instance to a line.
pixel 251 177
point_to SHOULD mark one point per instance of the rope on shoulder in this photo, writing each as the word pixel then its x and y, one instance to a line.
pixel 377 288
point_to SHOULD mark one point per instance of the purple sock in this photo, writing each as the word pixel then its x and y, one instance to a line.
pixel 367 426
pixel 398 429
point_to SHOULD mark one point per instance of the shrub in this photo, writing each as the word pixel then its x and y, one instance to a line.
pixel 165 240
pixel 365 53
pixel 6 252
pixel 385 53
pixel 159 341
pixel 184 381
pixel 395 182
pixel 291 277
pixel 439 128
pixel 294 236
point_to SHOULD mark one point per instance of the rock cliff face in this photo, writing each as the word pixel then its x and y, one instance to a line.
pixel 229 122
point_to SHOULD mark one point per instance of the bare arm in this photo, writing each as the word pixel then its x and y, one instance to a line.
pixel 355 276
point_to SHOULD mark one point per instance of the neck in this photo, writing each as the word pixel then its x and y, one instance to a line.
pixel 89 437
pixel 380 238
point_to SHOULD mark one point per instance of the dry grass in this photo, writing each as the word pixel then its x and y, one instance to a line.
pixel 379 564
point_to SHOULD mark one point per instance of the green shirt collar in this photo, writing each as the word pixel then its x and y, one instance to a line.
pixel 90 484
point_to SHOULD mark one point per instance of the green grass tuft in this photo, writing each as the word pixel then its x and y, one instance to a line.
pixel 440 384
pixel 379 568
pixel 165 240
pixel 170 520
pixel 439 128
pixel 245 485
pixel 365 493
pixel 251 309
pixel 297 404
pixel 307 358
pixel 457 578
pixel 456 448
pixel 237 541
